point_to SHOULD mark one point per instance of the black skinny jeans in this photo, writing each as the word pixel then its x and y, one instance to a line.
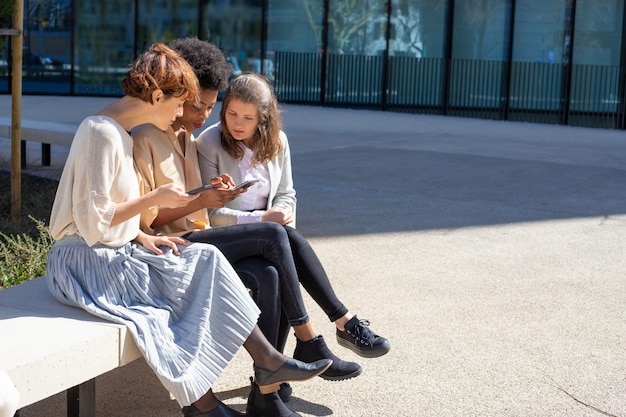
pixel 268 241
pixel 313 277
pixel 236 242
pixel 261 278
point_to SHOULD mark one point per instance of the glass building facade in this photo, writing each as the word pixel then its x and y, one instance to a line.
pixel 548 61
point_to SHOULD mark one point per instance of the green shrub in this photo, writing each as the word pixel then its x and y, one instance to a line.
pixel 22 256
pixel 24 244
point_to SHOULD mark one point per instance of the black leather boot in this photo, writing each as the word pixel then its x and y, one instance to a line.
pixel 284 392
pixel 266 405
pixel 315 349
pixel 220 411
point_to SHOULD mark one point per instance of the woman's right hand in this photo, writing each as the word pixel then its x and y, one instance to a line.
pixel 172 196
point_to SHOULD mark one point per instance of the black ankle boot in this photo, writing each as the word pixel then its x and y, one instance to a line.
pixel 284 392
pixel 315 349
pixel 220 411
pixel 266 405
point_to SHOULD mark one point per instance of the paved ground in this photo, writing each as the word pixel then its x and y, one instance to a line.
pixel 490 253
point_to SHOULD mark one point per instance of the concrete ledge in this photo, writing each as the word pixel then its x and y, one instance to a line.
pixel 41 131
pixel 48 347
pixel 44 132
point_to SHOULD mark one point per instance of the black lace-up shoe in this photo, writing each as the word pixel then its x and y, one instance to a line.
pixel 360 339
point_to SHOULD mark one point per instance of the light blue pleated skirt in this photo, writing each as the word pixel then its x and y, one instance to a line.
pixel 188 314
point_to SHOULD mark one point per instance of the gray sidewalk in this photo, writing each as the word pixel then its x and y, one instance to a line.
pixel 490 253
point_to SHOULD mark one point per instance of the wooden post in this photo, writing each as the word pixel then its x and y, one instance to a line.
pixel 16 111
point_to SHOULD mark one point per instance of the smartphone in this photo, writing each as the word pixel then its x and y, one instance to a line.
pixel 247 184
pixel 199 189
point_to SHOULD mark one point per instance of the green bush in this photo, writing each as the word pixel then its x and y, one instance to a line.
pixel 25 244
pixel 22 256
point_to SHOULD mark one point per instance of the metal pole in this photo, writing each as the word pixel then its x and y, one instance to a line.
pixel 385 83
pixel 447 58
pixel 324 61
pixel 16 111
pixel 506 76
pixel 566 91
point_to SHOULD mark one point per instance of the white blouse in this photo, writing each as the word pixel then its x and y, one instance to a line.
pixel 253 201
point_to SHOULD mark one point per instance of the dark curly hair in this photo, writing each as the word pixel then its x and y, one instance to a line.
pixel 207 61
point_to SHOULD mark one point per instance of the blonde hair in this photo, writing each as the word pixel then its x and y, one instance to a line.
pixel 160 68
pixel 265 143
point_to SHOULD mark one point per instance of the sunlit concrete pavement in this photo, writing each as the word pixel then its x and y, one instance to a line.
pixel 490 253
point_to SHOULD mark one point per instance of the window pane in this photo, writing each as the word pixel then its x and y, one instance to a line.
pixel 540 47
pixel 294 26
pixel 596 74
pixel 479 52
pixel 416 50
pixel 356 47
pixel 47 46
pixel 235 27
pixel 481 29
pixel 161 21
pixel 104 42
pixel 598 37
pixel 294 40
pixel 417 28
pixel 540 27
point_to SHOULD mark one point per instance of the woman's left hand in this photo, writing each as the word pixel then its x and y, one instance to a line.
pixel 152 243
pixel 278 214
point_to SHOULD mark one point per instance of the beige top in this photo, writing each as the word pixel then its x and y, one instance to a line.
pixel 160 160
pixel 98 174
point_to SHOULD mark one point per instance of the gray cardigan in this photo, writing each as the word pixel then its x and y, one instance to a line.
pixel 215 161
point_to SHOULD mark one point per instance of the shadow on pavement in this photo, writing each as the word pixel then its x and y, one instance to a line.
pixel 392 190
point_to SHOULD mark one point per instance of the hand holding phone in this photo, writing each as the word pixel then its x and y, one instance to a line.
pixel 199 189
pixel 247 184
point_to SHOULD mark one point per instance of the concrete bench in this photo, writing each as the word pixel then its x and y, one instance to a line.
pixel 46 133
pixel 47 347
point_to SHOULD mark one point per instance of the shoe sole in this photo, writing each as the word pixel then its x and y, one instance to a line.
pixel 342 377
pixel 365 353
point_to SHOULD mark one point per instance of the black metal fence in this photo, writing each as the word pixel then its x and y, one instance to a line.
pixel 579 95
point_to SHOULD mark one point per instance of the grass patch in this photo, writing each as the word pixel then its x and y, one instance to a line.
pixel 24 245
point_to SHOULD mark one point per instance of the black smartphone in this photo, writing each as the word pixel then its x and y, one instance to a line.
pixel 247 184
pixel 199 189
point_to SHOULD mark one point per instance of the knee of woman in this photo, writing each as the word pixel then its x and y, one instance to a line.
pixel 275 230
pixel 270 276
